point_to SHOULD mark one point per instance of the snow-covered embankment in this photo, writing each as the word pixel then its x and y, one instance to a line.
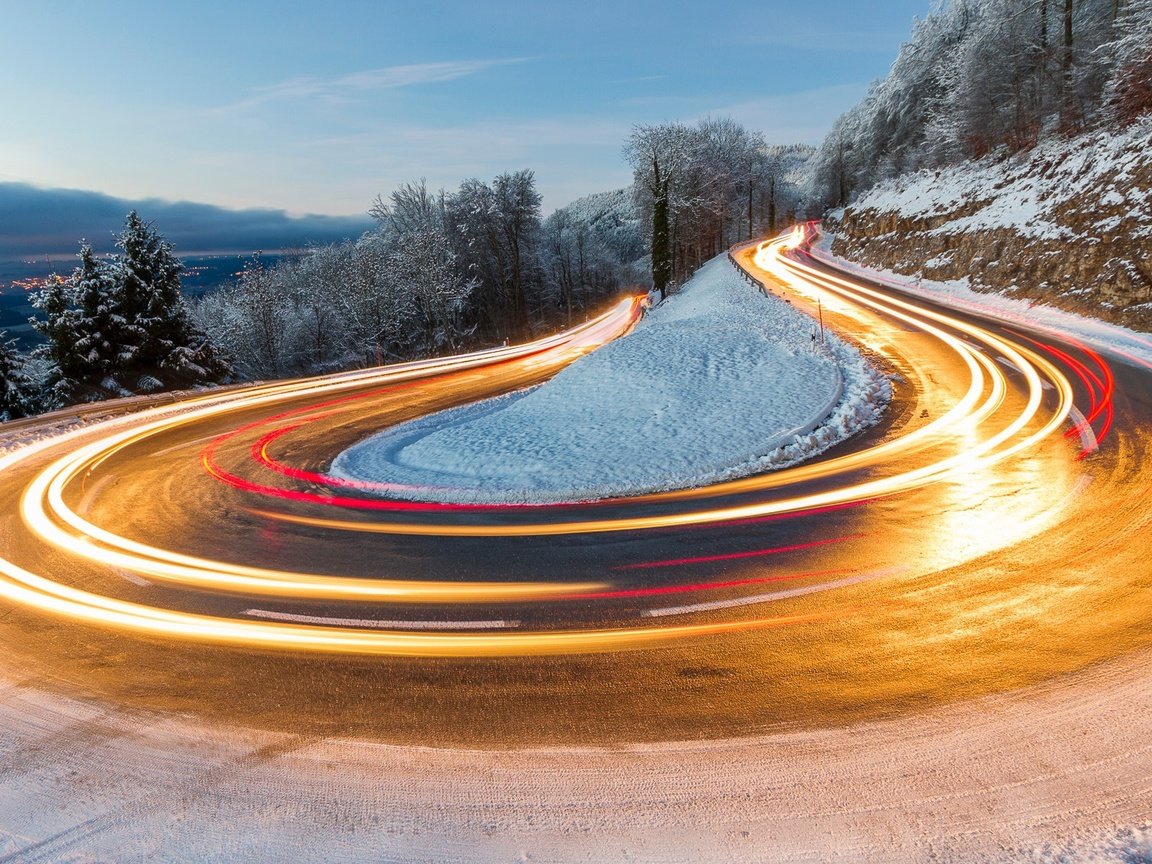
pixel 1068 223
pixel 717 382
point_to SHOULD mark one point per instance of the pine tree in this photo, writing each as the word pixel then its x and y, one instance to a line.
pixel 120 326
pixel 157 338
pixel 98 323
pixel 15 391
pixel 59 326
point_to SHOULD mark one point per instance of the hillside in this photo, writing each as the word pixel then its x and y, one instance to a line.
pixel 1068 223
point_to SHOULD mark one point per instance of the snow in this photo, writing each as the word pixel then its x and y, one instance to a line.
pixel 1028 193
pixel 718 381
pixel 1111 338
pixel 1043 774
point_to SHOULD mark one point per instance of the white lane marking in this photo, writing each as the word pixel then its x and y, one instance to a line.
pixel 378 624
pixel 133 578
pixel 1087 433
pixel 1004 361
pixel 768 598
pixel 90 495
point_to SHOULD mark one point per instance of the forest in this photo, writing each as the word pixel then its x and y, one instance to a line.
pixel 979 77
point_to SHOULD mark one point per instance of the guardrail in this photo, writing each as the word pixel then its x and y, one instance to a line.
pixel 752 280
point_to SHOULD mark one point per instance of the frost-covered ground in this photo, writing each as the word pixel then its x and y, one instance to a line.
pixel 1030 194
pixel 1067 223
pixel 1041 775
pixel 718 381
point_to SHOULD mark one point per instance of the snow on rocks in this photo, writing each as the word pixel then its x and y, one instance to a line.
pixel 1032 193
pixel 717 382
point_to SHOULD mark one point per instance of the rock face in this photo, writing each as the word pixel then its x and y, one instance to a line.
pixel 1068 224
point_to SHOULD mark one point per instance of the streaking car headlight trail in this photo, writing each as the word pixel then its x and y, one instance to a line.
pixel 1013 397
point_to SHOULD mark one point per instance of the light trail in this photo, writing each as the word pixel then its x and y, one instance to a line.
pixel 979 429
pixel 997 447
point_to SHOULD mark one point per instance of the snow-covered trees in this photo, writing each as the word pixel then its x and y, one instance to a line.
pixel 96 320
pixel 661 157
pixel 119 326
pixel 591 249
pixel 978 75
pixel 16 396
pixel 1129 87
pixel 703 188
pixel 494 229
pixel 58 323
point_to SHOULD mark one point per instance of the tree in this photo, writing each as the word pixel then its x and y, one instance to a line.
pixel 120 326
pixel 98 324
pixel 1129 88
pixel 494 231
pixel 16 395
pixel 59 325
pixel 660 155
pixel 423 264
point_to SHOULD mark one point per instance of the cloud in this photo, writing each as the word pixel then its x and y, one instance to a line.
pixel 37 221
pixel 368 81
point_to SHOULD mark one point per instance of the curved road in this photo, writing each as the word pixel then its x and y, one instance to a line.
pixel 929 640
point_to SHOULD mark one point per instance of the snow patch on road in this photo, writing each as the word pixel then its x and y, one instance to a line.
pixel 719 381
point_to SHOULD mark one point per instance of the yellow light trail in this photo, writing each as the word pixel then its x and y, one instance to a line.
pixel 47 515
pixel 961 418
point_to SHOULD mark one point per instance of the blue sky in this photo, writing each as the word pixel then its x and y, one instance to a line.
pixel 319 107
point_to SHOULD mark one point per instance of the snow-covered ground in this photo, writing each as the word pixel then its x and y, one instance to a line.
pixel 718 381
pixel 1030 194
pixel 1121 341
pixel 1042 775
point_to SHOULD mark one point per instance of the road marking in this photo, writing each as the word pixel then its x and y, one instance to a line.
pixel 133 578
pixel 1087 433
pixel 768 598
pixel 1004 361
pixel 377 624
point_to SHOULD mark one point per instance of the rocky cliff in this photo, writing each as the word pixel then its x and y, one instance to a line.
pixel 1068 224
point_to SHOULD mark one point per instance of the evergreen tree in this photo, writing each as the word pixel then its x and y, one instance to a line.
pixel 59 326
pixel 97 324
pixel 121 326
pixel 155 322
pixel 15 391
pixel 157 340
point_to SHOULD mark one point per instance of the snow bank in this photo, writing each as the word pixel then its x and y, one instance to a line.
pixel 717 382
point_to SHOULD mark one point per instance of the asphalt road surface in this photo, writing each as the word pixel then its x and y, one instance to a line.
pixel 982 541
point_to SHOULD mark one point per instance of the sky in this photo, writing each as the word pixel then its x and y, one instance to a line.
pixel 315 108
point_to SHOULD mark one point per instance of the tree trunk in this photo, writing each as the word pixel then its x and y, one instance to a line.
pixel 772 205
pixel 661 245
pixel 1066 58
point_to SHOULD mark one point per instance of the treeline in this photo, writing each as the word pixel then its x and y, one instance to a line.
pixel 983 75
pixel 448 270
pixel 116 326
pixel 442 271
pixel 703 188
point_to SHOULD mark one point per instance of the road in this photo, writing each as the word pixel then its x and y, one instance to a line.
pixel 195 563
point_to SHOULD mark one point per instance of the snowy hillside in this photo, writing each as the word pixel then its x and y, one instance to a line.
pixel 613 220
pixel 718 381
pixel 1068 223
